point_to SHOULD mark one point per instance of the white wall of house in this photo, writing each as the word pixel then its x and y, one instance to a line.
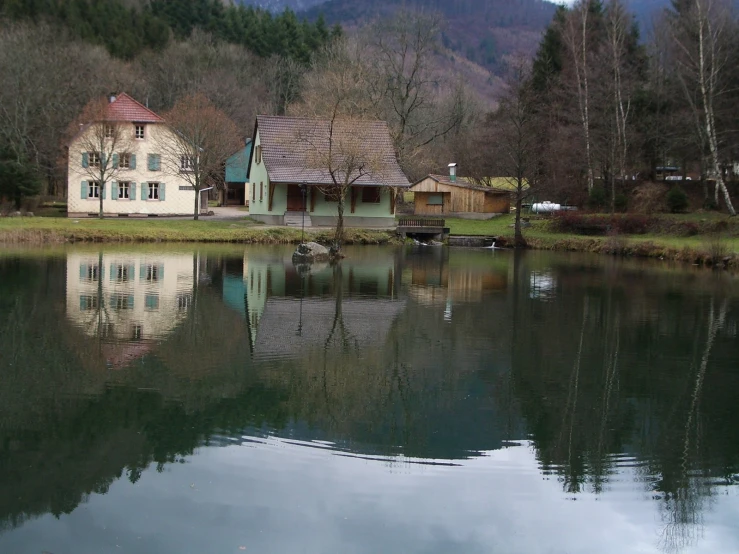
pixel 174 195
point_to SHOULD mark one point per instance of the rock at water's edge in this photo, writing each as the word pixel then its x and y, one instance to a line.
pixel 310 252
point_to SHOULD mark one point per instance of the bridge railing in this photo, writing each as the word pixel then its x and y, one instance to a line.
pixel 420 222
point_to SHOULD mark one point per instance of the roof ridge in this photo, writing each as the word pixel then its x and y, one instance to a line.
pixel 123 94
pixel 322 119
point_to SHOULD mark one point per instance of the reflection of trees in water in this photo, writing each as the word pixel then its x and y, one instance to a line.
pixel 599 387
pixel 682 505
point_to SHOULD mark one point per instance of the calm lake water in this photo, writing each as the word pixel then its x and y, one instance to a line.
pixel 421 400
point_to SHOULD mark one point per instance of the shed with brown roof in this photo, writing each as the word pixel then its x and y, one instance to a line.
pixel 450 196
pixel 290 151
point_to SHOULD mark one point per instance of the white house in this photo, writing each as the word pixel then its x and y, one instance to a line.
pixel 137 186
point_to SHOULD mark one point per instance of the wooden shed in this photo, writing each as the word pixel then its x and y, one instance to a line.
pixel 440 194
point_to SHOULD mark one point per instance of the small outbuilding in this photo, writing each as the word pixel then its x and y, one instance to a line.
pixel 236 182
pixel 457 197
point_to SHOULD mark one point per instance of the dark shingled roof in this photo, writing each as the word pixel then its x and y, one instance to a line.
pixel 293 147
pixel 462 183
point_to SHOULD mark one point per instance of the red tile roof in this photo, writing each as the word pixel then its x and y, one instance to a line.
pixel 125 108
pixel 293 149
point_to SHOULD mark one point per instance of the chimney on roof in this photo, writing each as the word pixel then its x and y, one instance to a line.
pixel 453 172
pixel 111 98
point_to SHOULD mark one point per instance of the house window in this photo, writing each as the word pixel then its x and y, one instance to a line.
pixel 88 302
pixel 124 161
pixel 435 200
pixel 261 191
pixel 153 191
pixel 253 192
pixel 93 189
pixel 121 302
pixel 151 302
pixel 137 332
pixel 90 273
pixel 93 159
pixel 139 131
pixel 371 195
pixel 184 301
pixel 122 273
pixel 186 187
pixel 187 163
pixel 258 154
pixel 152 273
pixel 124 189
pixel 109 131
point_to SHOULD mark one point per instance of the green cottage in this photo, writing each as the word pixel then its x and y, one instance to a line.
pixel 290 151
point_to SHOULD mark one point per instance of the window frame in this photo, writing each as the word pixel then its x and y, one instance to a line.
pixel 93 190
pixel 187 164
pixel 153 193
pixel 435 195
pixel 124 187
pixel 109 130
pixel 124 160
pixel 93 159
pixel 136 128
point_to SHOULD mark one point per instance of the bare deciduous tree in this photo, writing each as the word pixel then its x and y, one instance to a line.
pixel 701 38
pixel 200 140
pixel 100 143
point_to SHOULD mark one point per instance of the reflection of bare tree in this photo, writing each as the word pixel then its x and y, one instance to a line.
pixel 683 507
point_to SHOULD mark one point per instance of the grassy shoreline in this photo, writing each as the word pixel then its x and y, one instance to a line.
pixel 700 249
pixel 244 231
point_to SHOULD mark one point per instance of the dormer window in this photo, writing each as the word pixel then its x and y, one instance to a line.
pixel 139 131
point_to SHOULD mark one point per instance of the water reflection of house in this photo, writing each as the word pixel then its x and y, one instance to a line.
pixel 435 280
pixel 128 300
pixel 288 310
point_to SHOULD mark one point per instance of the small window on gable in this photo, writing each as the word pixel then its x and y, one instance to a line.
pixel 187 163
pixel 261 191
pixel 258 154
pixel 371 195
pixel 140 131
pixel 109 131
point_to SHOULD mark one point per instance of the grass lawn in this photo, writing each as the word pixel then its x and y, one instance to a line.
pixel 41 230
pixel 541 235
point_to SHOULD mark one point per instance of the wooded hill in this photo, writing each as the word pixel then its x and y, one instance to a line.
pixel 126 28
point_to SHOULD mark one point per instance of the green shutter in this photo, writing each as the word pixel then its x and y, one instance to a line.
pixel 142 271
pixel 83 302
pixel 83 190
pixel 150 162
pixel 161 192
pixel 132 191
pixel 129 303
pixel 132 165
pixel 112 272
pixel 102 190
pixel 132 272
pixel 160 271
pixel 144 191
pixel 157 162
pixel 85 160
pixel 83 272
pixel 103 160
pixel 115 160
pixel 114 190
pixel 153 162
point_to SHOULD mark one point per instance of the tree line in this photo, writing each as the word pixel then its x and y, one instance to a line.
pixel 599 117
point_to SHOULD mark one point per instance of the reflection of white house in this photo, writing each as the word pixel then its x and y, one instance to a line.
pixel 124 296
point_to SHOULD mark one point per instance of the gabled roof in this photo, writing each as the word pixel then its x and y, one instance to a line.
pixel 462 183
pixel 292 145
pixel 238 163
pixel 125 108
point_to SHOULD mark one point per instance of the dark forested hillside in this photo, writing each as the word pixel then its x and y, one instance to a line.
pixel 126 28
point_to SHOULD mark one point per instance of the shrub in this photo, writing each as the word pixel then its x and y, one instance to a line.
pixel 621 202
pixel 677 200
pixel 579 224
pixel 597 199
